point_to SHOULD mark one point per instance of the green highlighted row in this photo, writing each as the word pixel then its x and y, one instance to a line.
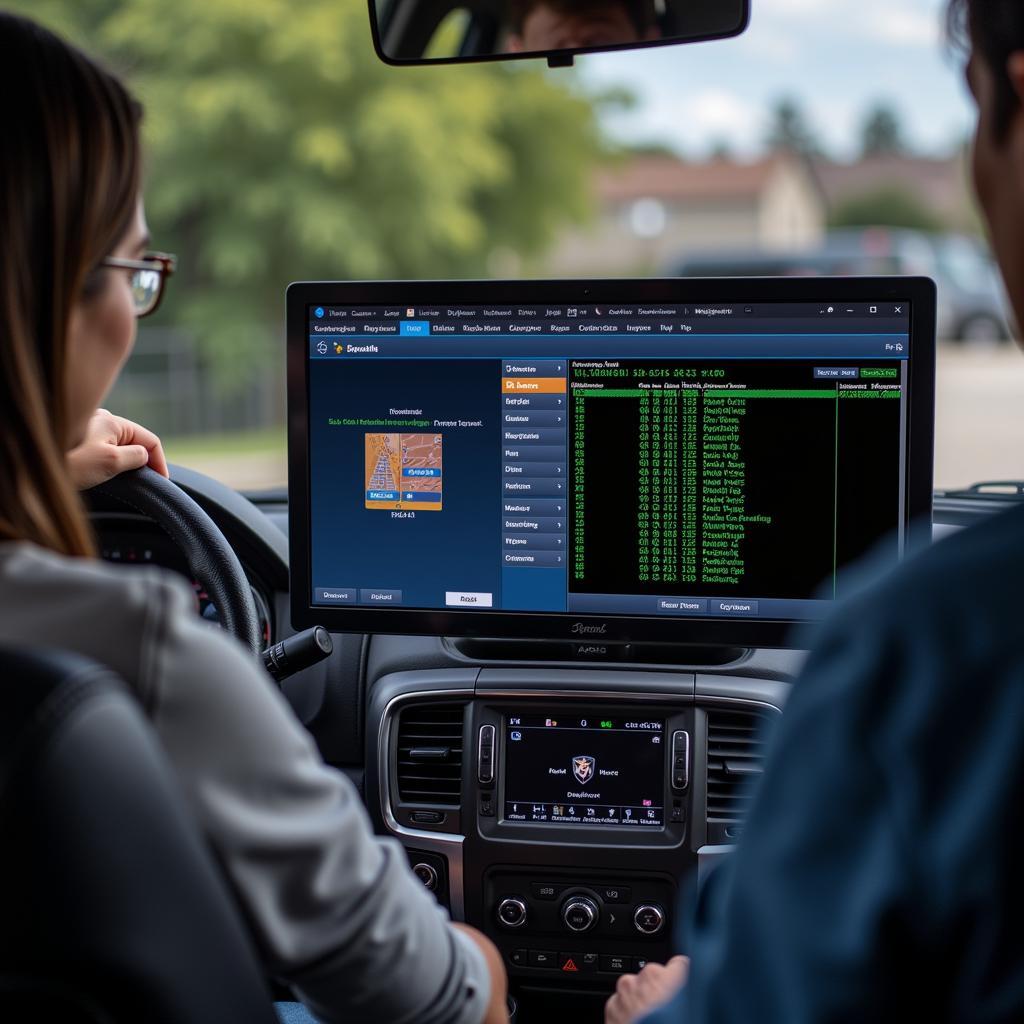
pixel 721 393
pixel 707 393
pixel 769 393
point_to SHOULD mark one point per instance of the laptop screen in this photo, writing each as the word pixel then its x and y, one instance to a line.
pixel 666 460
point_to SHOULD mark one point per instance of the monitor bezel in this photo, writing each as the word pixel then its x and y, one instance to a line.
pixel 568 626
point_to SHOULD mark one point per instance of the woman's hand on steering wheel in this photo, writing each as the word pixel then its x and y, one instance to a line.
pixel 112 446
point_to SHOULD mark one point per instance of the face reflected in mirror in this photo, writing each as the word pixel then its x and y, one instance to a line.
pixel 542 25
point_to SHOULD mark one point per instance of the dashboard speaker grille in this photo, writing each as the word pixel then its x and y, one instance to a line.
pixel 429 766
pixel 735 762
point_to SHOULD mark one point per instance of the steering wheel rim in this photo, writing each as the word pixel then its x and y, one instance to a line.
pixel 210 558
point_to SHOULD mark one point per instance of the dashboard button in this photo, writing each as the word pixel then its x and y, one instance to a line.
pixel 615 893
pixel 512 912
pixel 519 957
pixel 427 874
pixel 545 890
pixel 485 755
pixel 590 961
pixel 580 914
pixel 543 958
pixel 680 759
pixel 569 963
pixel 649 919
pixel 616 964
pixel 639 963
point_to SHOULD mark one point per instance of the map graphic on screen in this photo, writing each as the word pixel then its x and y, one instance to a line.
pixel 403 471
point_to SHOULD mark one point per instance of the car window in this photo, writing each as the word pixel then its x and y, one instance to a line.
pixel 280 148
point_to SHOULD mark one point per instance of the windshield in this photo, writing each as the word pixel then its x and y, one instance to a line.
pixel 280 148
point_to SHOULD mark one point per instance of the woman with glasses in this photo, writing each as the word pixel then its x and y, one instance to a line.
pixel 334 911
pixel 113 444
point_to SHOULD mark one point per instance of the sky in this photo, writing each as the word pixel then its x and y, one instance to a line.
pixel 837 58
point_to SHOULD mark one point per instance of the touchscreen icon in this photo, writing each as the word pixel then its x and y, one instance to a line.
pixel 583 767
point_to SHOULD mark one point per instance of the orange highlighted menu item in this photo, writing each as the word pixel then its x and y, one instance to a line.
pixel 533 385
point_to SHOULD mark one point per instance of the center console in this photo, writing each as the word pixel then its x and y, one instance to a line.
pixel 560 810
pixel 603 782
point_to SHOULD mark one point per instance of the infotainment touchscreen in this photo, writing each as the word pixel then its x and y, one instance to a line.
pixel 598 461
pixel 585 769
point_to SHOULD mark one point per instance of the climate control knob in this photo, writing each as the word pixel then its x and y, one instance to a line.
pixel 579 914
pixel 649 919
pixel 512 912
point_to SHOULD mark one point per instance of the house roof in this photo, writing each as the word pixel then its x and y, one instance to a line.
pixel 941 183
pixel 668 177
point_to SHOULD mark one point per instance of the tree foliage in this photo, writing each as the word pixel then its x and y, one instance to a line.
pixel 892 205
pixel 279 148
pixel 882 132
pixel 790 130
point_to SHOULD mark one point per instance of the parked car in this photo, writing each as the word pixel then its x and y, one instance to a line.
pixel 972 304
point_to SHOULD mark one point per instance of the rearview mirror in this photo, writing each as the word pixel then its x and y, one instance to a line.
pixel 458 31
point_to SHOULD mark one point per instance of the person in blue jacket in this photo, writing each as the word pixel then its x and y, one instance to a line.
pixel 880 876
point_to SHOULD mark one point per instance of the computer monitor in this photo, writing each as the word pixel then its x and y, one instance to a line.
pixel 671 460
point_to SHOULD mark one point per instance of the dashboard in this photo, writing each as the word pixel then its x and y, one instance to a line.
pixel 558 795
pixel 560 806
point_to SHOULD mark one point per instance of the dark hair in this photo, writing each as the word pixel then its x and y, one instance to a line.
pixel 640 11
pixel 69 185
pixel 995 30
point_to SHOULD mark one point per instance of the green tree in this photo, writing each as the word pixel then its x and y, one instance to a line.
pixel 890 205
pixel 882 132
pixel 279 147
pixel 789 129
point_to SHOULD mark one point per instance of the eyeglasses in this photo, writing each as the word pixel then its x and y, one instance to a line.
pixel 148 280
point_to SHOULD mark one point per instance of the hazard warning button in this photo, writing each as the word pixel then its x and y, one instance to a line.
pixel 576 963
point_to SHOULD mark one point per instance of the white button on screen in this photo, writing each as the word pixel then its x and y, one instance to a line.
pixel 458 599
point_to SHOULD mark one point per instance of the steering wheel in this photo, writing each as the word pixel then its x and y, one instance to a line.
pixel 210 558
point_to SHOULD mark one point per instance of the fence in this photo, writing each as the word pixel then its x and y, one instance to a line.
pixel 169 386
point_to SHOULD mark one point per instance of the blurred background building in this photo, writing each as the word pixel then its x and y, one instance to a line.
pixel 652 208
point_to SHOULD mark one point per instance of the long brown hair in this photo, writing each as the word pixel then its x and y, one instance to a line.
pixel 69 184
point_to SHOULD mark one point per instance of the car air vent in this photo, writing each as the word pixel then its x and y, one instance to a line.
pixel 430 754
pixel 735 761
